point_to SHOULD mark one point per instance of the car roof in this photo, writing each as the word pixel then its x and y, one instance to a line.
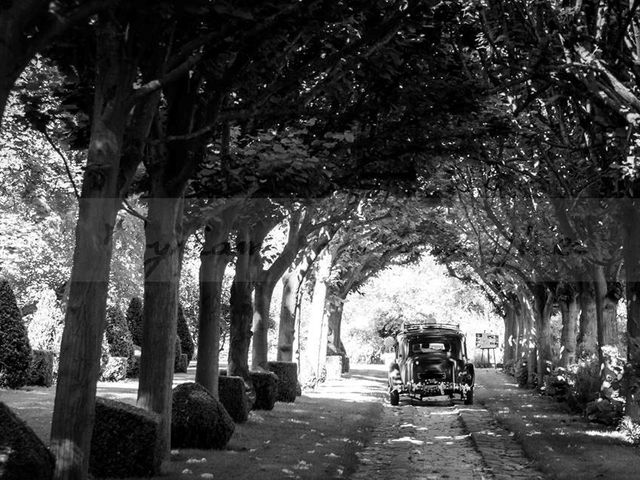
pixel 432 334
pixel 419 329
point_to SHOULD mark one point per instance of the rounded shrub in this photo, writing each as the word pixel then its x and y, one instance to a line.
pixel 22 454
pixel 15 351
pixel 134 320
pixel 186 342
pixel 198 420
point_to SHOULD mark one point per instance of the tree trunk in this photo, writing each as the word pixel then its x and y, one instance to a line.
pixel 606 308
pixel 588 335
pixel 334 311
pixel 214 258
pixel 290 308
pixel 569 309
pixel 510 334
pixel 241 308
pixel 631 221
pixel 73 411
pixel 543 302
pixel 161 264
pixel 317 338
pixel 528 340
pixel 287 326
pixel 261 318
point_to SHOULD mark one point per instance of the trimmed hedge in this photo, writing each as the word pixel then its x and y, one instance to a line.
pixel 124 441
pixel 15 351
pixel 232 392
pixel 198 420
pixel 22 454
pixel 41 368
pixel 186 342
pixel 287 373
pixel 266 387
pixel 115 369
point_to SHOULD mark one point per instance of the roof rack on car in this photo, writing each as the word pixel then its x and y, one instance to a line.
pixel 411 327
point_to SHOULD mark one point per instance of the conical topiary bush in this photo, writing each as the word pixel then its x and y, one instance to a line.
pixel 15 351
pixel 134 320
pixel 118 334
pixel 186 342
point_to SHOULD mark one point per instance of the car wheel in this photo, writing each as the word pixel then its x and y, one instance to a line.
pixel 394 397
pixel 468 399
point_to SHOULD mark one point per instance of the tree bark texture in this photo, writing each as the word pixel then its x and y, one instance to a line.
pixel 161 269
pixel 588 332
pixel 73 412
pixel 570 311
pixel 214 258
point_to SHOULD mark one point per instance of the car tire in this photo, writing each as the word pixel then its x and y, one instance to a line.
pixel 468 399
pixel 394 397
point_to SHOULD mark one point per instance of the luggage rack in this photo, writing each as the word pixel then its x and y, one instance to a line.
pixel 413 327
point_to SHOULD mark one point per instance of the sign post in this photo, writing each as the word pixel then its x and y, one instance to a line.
pixel 487 342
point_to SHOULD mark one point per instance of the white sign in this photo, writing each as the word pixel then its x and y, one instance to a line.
pixel 487 340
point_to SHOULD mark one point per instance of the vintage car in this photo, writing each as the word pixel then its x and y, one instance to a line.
pixel 431 360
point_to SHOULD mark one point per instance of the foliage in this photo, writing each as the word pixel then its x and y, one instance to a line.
pixel 24 454
pixel 630 429
pixel 47 323
pixel 134 320
pixel 15 351
pixel 186 342
pixel 123 443
pixel 198 420
pixel 115 369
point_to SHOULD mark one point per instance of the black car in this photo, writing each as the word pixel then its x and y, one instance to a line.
pixel 431 360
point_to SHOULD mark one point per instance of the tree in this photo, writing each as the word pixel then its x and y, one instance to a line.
pixel 15 351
